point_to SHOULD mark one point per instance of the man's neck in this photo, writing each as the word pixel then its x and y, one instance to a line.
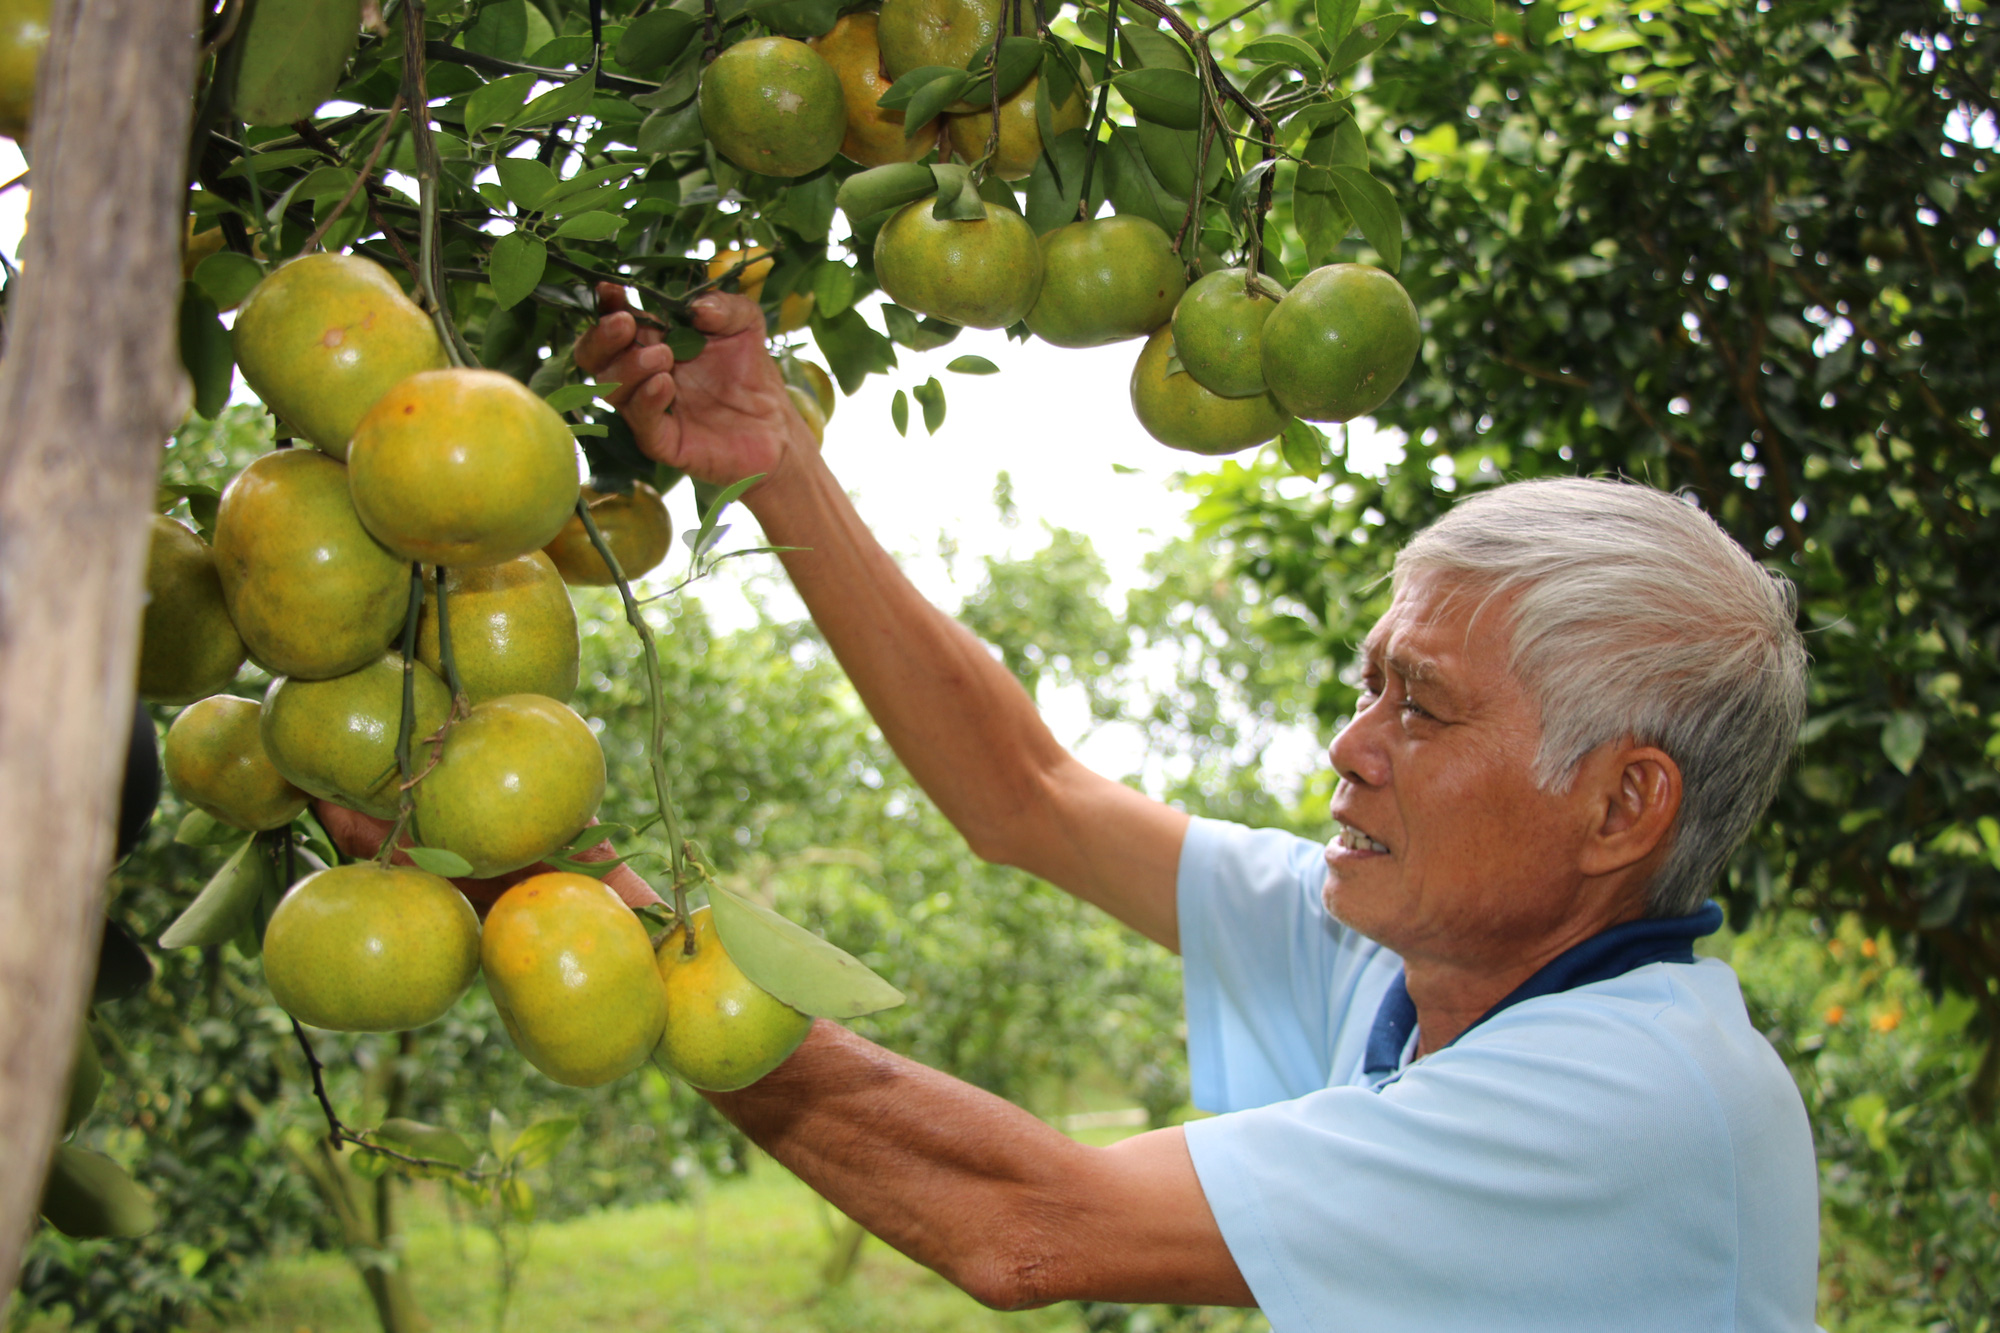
pixel 1452 994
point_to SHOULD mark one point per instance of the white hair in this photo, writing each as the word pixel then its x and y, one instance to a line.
pixel 1635 617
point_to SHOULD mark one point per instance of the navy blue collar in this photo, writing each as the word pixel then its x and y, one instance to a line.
pixel 1611 953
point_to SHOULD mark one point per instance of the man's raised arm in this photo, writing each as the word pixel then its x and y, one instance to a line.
pixel 959 721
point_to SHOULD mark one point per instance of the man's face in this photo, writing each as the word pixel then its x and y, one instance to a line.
pixel 1444 847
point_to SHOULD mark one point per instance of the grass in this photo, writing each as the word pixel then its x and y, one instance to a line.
pixel 745 1257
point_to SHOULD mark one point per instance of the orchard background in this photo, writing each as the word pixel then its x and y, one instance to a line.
pixel 1745 249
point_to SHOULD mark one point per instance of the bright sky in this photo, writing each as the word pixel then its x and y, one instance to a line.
pixel 1056 421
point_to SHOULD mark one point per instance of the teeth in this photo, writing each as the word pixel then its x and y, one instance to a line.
pixel 1354 840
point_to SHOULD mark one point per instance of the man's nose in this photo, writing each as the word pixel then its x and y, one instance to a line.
pixel 1357 754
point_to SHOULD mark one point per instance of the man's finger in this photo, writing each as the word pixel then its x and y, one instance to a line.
pixel 722 315
pixel 611 297
pixel 602 341
pixel 635 367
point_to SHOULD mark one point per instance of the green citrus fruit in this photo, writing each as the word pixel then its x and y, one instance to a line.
pixel 518 778
pixel 983 274
pixel 513 629
pixel 874 137
pixel 1340 343
pixel 572 975
pixel 1219 328
pixel 807 406
pixel 810 376
pixel 215 758
pixel 915 33
pixel 188 647
pixel 1105 281
pixel 723 1031
pixel 24 35
pixel 634 524
pixel 1180 414
pixel 312 594
pixel 337 738
pixel 462 467
pixel 325 336
pixel 1020 130
pixel 369 948
pixel 773 106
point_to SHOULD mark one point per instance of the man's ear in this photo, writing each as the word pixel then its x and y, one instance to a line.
pixel 1639 791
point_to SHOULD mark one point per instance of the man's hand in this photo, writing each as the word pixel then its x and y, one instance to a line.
pixel 721 417
pixel 360 836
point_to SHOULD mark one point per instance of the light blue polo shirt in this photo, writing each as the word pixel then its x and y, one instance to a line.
pixel 1627 1154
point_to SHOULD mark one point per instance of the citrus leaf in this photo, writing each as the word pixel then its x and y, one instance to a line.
pixel 1479 11
pixel 833 288
pixel 673 131
pixel 972 365
pixel 880 189
pixel 899 412
pixel 1170 97
pixel 1281 49
pixel 201 829
pixel 519 1198
pixel 590 227
pixel 685 343
pixel 1152 48
pixel 925 104
pixel 1374 208
pixel 527 182
pixel 259 163
pixel 1336 18
pixel 1020 57
pixel 537 1144
pixel 497 102
pixel 414 1138
pixel 795 965
pixel 228 277
pixel 499 1132
pixel 558 104
pixel 1304 448
pixel 655 38
pixel 898 94
pixel 1903 739
pixel 919 335
pixel 517 264
pixel 800 19
pixel 958 198
pixel 1365 41
pixel 931 395
pixel 224 905
pixel 1321 218
pixel 438 861
pixel 501 30
pixel 86 1194
pixel 568 397
pixel 206 350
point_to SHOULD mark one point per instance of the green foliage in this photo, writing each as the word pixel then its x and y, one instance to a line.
pixel 1745 250
pixel 1910 1231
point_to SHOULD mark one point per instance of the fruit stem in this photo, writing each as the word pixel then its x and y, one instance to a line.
pixel 445 657
pixel 430 267
pixel 1098 116
pixel 407 724
pixel 360 180
pixel 707 31
pixel 656 702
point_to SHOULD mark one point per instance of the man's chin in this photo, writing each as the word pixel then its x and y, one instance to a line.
pixel 1350 905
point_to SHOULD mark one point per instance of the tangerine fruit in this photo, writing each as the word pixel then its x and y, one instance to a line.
pixel 325 336
pixel 513 629
pixel 572 976
pixel 1219 328
pixel 915 33
pixel 1180 414
pixel 24 35
pixel 1020 130
pixel 1104 281
pixel 772 105
pixel 723 1030
pixel 984 273
pixel 1340 342
pixel 370 948
pixel 634 524
pixel 214 755
pixel 312 594
pixel 337 738
pixel 462 467
pixel 874 137
pixel 751 280
pixel 807 404
pixel 519 777
pixel 188 647
pixel 795 311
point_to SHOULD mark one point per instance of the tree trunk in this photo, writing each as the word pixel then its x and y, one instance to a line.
pixel 89 389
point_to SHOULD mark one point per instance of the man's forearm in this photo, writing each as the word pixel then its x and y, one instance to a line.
pixel 964 727
pixel 998 1202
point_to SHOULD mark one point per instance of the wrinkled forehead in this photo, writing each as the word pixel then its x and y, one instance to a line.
pixel 1440 610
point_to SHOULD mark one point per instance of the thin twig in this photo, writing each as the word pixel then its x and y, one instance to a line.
pixel 1098 116
pixel 388 124
pixel 494 65
pixel 338 1133
pixel 1220 24
pixel 430 172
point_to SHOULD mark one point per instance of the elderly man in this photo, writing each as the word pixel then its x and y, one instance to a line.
pixel 1470 1072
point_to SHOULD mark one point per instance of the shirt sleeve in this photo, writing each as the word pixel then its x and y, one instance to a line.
pixel 1261 959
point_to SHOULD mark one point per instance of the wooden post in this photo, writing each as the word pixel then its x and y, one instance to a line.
pixel 90 387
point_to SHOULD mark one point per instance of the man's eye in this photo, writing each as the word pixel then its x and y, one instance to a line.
pixel 1413 707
